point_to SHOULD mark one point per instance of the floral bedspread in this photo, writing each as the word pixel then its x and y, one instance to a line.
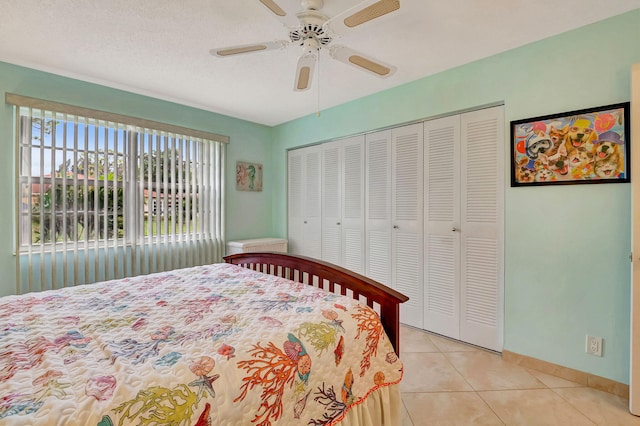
pixel 216 344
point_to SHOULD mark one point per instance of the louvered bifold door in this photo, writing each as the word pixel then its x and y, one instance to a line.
pixel 331 202
pixel 312 202
pixel 294 201
pixel 481 282
pixel 442 226
pixel 406 213
pixel 352 223
pixel 378 206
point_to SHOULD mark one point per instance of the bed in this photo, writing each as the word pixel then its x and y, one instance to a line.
pixel 262 339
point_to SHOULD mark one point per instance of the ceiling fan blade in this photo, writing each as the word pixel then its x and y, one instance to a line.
pixel 304 72
pixel 283 10
pixel 224 52
pixel 361 61
pixel 364 12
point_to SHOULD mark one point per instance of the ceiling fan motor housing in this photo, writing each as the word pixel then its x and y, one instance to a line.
pixel 311 34
pixel 311 4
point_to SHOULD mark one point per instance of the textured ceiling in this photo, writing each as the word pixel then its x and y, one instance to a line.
pixel 161 48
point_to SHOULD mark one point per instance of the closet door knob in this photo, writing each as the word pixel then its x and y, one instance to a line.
pixel 396 227
pixel 305 221
pixel 454 229
pixel 337 223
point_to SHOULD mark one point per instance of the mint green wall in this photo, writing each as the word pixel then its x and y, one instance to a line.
pixel 567 247
pixel 248 214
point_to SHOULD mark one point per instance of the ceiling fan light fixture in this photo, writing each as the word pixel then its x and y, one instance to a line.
pixel 375 68
pixel 272 6
pixel 372 12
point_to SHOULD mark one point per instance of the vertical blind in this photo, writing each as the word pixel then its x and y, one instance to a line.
pixel 106 198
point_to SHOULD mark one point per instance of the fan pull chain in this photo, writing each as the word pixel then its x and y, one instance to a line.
pixel 318 85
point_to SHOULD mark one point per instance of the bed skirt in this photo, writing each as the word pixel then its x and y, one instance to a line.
pixel 382 407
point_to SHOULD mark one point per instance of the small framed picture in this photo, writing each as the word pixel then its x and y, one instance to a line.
pixel 584 146
pixel 248 176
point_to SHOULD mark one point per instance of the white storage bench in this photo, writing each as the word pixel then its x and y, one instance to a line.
pixel 257 244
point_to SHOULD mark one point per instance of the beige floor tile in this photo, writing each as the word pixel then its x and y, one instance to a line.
pixel 553 381
pixel 430 372
pixel 445 344
pixel 438 388
pixel 449 408
pixel 487 371
pixel 414 340
pixel 601 407
pixel 406 419
pixel 535 407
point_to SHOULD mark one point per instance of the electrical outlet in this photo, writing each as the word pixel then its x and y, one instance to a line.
pixel 594 345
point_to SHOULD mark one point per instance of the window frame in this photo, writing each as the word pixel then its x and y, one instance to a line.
pixel 199 234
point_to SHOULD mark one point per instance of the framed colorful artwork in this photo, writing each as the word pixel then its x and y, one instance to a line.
pixel 584 146
pixel 248 176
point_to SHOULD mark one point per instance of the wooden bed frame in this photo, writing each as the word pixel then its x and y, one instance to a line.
pixel 333 278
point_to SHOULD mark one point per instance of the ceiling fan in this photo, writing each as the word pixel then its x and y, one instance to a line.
pixel 312 30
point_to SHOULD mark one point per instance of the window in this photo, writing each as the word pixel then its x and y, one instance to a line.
pixel 103 198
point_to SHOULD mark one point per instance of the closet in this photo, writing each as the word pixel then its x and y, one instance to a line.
pixel 343 203
pixel 393 224
pixel 463 240
pixel 417 207
pixel 304 192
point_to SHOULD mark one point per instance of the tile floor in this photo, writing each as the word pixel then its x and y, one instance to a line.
pixel 449 383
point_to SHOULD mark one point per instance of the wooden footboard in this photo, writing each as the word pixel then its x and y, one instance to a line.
pixel 333 278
